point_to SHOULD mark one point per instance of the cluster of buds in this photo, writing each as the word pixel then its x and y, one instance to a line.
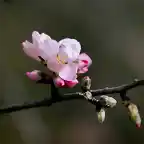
pixel 108 102
pixel 103 103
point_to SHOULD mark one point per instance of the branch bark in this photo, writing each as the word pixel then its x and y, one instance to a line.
pixel 56 97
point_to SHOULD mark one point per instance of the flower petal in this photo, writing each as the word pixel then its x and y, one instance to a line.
pixel 58 82
pixel 45 37
pixel 42 45
pixel 30 50
pixel 69 72
pixel 84 57
pixel 82 70
pixel 71 84
pixel 71 47
pixel 48 47
pixel 35 38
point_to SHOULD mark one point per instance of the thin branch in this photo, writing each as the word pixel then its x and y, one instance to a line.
pixel 26 105
pixel 112 90
pixel 36 104
pixel 118 89
pixel 56 97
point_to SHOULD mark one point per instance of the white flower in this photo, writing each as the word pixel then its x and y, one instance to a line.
pixel 61 57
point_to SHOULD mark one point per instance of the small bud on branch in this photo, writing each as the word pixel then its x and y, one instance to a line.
pixel 101 115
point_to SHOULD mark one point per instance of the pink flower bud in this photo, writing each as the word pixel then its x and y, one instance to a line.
pixel 71 84
pixel 59 82
pixel 34 75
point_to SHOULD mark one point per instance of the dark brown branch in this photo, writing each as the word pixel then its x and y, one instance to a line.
pixel 26 105
pixel 118 89
pixel 36 104
pixel 56 97
pixel 112 90
pixel 46 102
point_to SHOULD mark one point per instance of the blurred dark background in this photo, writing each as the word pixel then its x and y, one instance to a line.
pixel 110 31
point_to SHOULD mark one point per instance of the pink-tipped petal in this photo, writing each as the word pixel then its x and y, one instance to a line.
pixel 71 84
pixel 85 58
pixel 59 82
pixel 82 64
pixel 138 125
pixel 83 70
pixel 34 75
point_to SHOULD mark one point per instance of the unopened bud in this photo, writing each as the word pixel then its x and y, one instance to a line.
pixel 134 114
pixel 86 83
pixel 110 101
pixel 138 121
pixel 101 115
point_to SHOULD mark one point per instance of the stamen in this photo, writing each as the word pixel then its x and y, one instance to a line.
pixel 61 61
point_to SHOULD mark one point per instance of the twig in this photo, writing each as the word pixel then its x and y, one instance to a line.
pixel 36 104
pixel 118 89
pixel 56 97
